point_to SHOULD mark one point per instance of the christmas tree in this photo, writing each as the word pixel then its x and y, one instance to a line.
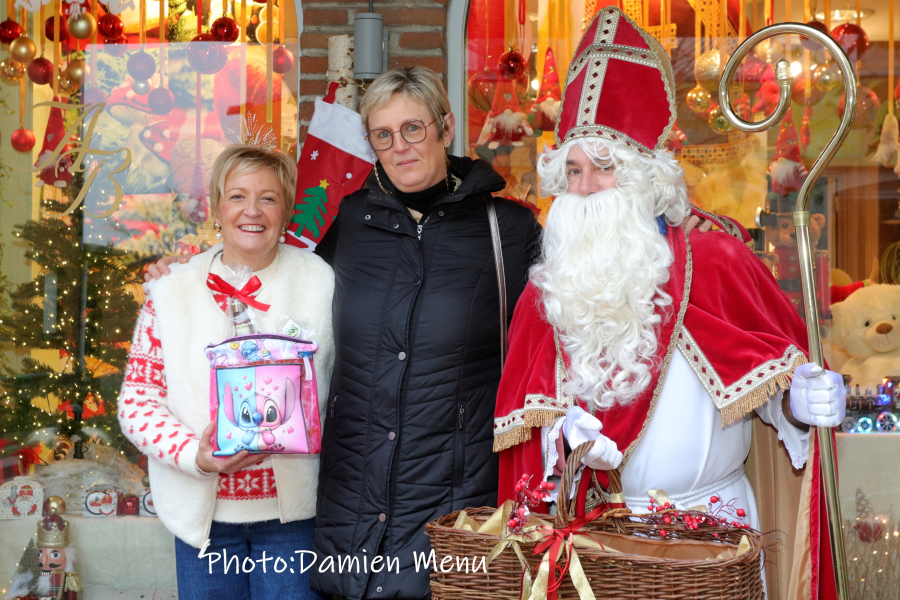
pixel 310 212
pixel 27 573
pixel 77 306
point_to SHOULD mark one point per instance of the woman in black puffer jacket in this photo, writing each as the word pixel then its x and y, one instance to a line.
pixel 409 424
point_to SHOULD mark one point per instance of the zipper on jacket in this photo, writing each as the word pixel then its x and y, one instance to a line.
pixel 421 226
pixel 333 402
pixel 459 458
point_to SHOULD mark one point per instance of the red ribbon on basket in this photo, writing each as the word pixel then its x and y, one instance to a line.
pixel 226 290
pixel 555 538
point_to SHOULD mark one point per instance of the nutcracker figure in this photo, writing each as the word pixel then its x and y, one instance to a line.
pixel 58 579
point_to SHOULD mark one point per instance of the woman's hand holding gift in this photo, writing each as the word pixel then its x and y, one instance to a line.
pixel 222 464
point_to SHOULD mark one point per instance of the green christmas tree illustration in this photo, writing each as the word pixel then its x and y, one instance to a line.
pixel 310 212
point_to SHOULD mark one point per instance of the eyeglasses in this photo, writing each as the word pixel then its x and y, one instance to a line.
pixel 412 131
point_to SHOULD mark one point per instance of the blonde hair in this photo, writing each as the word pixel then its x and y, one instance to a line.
pixel 241 159
pixel 420 83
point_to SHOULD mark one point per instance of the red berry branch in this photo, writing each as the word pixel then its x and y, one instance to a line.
pixel 526 499
pixel 717 516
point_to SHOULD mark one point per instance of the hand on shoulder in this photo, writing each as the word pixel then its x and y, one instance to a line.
pixel 161 267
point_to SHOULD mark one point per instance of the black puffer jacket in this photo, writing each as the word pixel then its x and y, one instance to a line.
pixel 409 426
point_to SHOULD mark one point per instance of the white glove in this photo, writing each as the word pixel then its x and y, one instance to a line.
pixel 816 399
pixel 581 427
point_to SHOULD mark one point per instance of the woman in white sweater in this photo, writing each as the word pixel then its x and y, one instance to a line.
pixel 249 514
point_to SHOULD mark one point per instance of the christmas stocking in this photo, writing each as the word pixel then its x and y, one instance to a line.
pixel 335 161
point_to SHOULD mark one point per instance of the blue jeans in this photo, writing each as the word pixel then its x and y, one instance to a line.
pixel 247 560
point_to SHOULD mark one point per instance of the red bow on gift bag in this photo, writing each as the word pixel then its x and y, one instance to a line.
pixel 226 290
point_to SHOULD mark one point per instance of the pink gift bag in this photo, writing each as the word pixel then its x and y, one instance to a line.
pixel 263 395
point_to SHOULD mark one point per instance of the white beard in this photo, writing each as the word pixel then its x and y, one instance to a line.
pixel 603 264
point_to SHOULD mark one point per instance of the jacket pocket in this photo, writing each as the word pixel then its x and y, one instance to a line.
pixel 459 453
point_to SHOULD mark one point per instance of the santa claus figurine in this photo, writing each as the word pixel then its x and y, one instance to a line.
pixel 787 170
pixel 655 345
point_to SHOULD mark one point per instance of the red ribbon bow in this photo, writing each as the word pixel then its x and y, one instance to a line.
pixel 226 291
pixel 556 537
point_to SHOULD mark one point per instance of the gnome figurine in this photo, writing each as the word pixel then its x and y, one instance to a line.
pixel 545 110
pixel 787 170
pixel 506 124
pixel 54 172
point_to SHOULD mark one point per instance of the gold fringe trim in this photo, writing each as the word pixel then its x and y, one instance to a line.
pixel 522 433
pixel 758 397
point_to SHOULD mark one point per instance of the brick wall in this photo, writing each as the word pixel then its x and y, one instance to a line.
pixel 416 30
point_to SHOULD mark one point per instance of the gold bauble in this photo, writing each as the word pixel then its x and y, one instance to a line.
pixel 145 480
pixel 826 77
pixel 65 84
pixel 769 51
pixel 708 69
pixel 77 71
pixel 82 26
pixel 11 70
pixel 699 100
pixel 56 505
pixel 262 32
pixel 718 122
pixel 22 49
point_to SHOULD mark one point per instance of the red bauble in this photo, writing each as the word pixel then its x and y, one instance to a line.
pixel 51 33
pixel 206 54
pixel 798 93
pixel 225 29
pixel 40 71
pixel 511 64
pixel 852 39
pixel 110 26
pixel 481 89
pixel 141 66
pixel 750 73
pixel 812 45
pixel 129 505
pixel 22 140
pixel 866 108
pixel 93 96
pixel 117 46
pixel 9 30
pixel 282 60
pixel 161 101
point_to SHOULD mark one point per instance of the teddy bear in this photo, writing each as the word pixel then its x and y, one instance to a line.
pixel 867 328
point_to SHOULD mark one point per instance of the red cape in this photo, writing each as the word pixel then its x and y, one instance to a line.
pixel 740 333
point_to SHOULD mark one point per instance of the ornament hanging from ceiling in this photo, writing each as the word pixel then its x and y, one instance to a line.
pixel 141 66
pixel 161 101
pixel 225 29
pixel 77 71
pixel 481 89
pixel 110 26
pixel 40 71
pixel 50 32
pixel 852 39
pixel 718 122
pixel 206 55
pixel 699 100
pixel 866 108
pixel 11 70
pixel 282 60
pixel 22 49
pixel 812 45
pixel 81 26
pixel 22 140
pixel 511 64
pixel 707 69
pixel 9 30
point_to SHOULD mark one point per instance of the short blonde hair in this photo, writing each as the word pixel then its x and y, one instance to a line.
pixel 240 159
pixel 421 83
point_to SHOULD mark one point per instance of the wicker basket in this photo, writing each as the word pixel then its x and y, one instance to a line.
pixel 676 567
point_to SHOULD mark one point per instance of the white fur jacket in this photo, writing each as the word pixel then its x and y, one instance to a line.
pixel 164 405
